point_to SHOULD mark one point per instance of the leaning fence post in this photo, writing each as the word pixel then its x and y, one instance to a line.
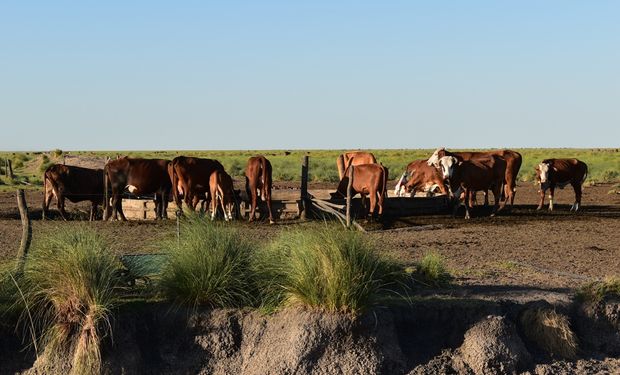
pixel 26 230
pixel 178 214
pixel 349 195
pixel 9 171
pixel 305 205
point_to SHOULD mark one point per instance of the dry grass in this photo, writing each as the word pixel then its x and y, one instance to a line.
pixel 550 331
pixel 596 291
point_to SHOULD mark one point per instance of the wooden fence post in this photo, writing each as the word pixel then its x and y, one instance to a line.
pixel 349 196
pixel 305 205
pixel 106 197
pixel 9 171
pixel 24 245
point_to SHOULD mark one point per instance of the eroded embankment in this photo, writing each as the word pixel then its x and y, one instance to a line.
pixel 429 336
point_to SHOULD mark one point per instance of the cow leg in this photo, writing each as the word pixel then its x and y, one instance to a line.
pixel 267 198
pixel 380 199
pixel 93 209
pixel 486 197
pixel 47 199
pixel 467 208
pixel 119 209
pixel 60 203
pixel 578 192
pixel 164 199
pixel 497 195
pixel 254 198
pixel 542 199
pixel 551 193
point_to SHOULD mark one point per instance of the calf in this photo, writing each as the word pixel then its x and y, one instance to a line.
pixel 222 192
pixel 552 173
pixel 258 183
pixel 368 179
pixel 74 183
pixel 419 176
pixel 472 175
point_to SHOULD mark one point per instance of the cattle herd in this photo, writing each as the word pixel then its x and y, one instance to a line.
pixel 192 180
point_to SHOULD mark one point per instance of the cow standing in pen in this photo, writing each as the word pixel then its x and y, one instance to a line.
pixel 513 165
pixel 74 183
pixel 140 177
pixel 552 173
pixel 420 177
pixel 471 175
pixel 258 183
pixel 190 179
pixel 222 192
pixel 368 180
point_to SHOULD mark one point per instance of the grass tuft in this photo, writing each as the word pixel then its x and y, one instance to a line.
pixel 70 283
pixel 550 331
pixel 333 270
pixel 431 270
pixel 210 264
pixel 597 291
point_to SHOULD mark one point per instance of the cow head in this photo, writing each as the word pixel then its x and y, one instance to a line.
pixel 434 159
pixel 398 189
pixel 544 171
pixel 448 165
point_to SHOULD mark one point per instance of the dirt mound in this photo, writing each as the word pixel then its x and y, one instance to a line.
pixel 598 325
pixel 493 346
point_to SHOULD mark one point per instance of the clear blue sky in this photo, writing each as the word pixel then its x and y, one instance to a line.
pixel 316 74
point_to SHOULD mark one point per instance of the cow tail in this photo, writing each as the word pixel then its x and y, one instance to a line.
pixel 106 185
pixel 385 179
pixel 585 175
pixel 263 165
pixel 44 194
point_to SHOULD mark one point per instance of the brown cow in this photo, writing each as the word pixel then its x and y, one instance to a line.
pixel 190 179
pixel 474 174
pixel 353 158
pixel 368 179
pixel 419 176
pixel 139 177
pixel 552 173
pixel 222 192
pixel 258 183
pixel 74 183
pixel 513 165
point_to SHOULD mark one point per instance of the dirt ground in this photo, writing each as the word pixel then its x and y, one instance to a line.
pixel 521 249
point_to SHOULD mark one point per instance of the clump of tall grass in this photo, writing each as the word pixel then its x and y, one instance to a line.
pixel 70 285
pixel 330 269
pixel 209 264
pixel 597 291
pixel 431 270
pixel 550 331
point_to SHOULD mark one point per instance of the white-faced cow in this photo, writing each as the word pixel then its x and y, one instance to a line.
pixel 368 180
pixel 353 158
pixel 552 173
pixel 513 165
pixel 471 175
pixel 74 183
pixel 258 183
pixel 420 177
pixel 222 192
pixel 139 177
pixel 190 178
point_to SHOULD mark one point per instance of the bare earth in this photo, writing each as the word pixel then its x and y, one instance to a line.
pixel 519 249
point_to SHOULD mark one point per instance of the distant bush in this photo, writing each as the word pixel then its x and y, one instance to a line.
pixel 208 265
pixel 45 163
pixel 329 269
pixel 57 152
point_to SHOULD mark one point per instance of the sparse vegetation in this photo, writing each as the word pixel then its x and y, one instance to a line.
pixel 70 284
pixel 208 265
pixel 598 290
pixel 330 269
pixel 431 270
